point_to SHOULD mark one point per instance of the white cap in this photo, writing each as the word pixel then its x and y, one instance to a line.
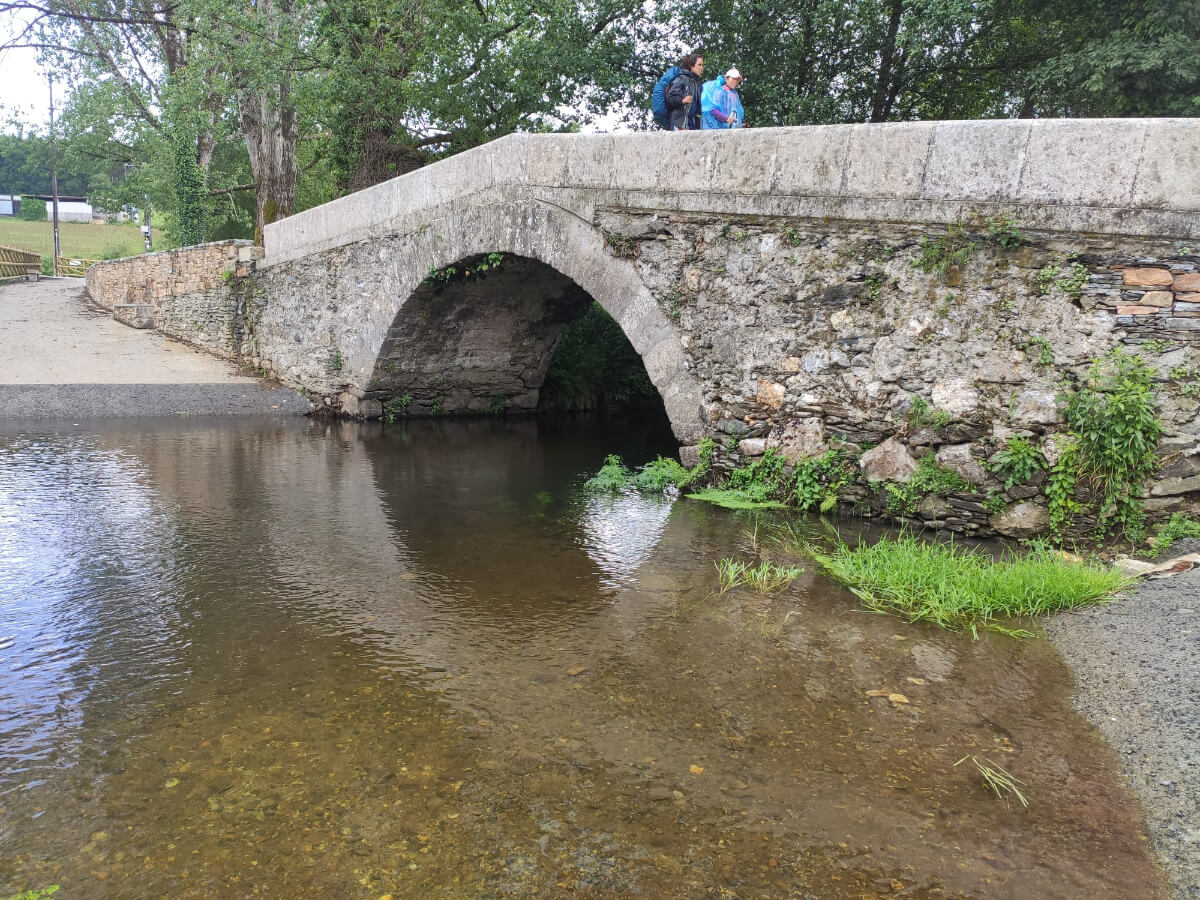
pixel 733 73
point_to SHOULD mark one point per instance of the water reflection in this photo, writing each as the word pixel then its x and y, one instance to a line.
pixel 296 659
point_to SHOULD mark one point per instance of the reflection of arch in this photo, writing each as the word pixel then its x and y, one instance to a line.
pixel 551 236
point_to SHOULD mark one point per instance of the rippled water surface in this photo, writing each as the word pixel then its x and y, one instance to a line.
pixel 298 660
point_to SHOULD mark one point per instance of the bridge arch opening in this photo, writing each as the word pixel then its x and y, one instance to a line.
pixel 501 333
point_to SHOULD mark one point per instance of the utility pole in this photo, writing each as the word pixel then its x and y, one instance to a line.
pixel 53 172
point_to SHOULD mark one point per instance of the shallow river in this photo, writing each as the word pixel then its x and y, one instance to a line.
pixel 289 659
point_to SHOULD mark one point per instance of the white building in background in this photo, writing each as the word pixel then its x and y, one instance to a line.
pixel 70 209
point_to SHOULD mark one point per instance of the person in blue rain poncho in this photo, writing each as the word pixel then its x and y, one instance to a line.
pixel 720 104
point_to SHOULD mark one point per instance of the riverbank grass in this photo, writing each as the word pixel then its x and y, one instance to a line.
pixel 957 588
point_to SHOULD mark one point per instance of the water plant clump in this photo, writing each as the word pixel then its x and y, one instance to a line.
pixel 656 477
pixel 759 485
pixel 653 478
pixel 766 577
pixel 957 588
pixel 612 478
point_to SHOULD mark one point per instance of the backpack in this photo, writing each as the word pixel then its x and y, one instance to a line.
pixel 658 99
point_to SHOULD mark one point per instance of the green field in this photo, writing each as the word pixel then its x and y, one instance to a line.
pixel 76 238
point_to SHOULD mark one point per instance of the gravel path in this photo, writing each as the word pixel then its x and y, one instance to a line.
pixel 62 358
pixel 1137 674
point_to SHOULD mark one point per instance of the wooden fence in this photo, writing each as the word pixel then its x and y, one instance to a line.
pixel 16 263
pixel 74 266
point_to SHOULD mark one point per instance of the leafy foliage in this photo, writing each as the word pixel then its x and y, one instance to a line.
pixel 948 251
pixel 594 365
pixel 32 210
pixel 1176 528
pixel 1113 417
pixel 1017 462
pixel 816 481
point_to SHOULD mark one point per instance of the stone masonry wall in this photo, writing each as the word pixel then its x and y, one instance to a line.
pixel 808 335
pixel 195 294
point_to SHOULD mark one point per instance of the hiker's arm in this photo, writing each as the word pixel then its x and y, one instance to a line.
pixel 677 94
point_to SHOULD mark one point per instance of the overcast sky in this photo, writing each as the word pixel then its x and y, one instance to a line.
pixel 23 89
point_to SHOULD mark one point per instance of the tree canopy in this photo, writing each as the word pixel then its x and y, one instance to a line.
pixel 229 115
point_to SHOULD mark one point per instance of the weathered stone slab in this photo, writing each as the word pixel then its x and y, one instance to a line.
pixel 959 460
pixel 135 315
pixel 1021 520
pixel 1147 277
pixel 800 439
pixel 890 461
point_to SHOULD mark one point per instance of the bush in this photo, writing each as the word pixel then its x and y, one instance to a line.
pixel 32 210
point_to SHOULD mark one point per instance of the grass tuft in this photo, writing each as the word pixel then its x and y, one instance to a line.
pixel 957 588
pixel 997 779
pixel 766 577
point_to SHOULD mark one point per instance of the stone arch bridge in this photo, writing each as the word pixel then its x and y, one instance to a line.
pixel 783 286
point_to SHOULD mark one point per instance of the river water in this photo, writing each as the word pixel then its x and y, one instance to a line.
pixel 293 659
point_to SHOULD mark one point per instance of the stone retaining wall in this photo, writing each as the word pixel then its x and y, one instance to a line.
pixel 151 279
pixel 195 294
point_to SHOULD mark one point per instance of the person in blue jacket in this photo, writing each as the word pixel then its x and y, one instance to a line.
pixel 721 105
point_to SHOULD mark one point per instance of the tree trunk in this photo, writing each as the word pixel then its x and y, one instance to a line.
pixel 269 125
pixel 887 55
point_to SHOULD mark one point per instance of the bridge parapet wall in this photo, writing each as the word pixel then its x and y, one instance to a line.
pixel 1107 176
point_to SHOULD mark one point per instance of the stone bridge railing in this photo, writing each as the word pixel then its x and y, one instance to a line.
pixel 1105 176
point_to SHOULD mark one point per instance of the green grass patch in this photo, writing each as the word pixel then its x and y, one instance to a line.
pixel 957 588
pixel 77 239
pixel 1175 528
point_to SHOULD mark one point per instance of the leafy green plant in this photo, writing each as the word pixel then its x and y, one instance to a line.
pixel 435 406
pixel 32 210
pixel 994 503
pixel 766 577
pixel 496 405
pixel 657 476
pixel 1157 346
pixel 1060 486
pixel 612 478
pixel 395 407
pixel 922 415
pixel 1003 230
pixel 1113 417
pixel 930 478
pixel 1042 350
pixel 1072 284
pixel 817 480
pixel 36 893
pixel 620 245
pixel 762 479
pixel 957 588
pixel 1043 281
pixel 1017 462
pixel 336 361
pixel 949 251
pixel 476 267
